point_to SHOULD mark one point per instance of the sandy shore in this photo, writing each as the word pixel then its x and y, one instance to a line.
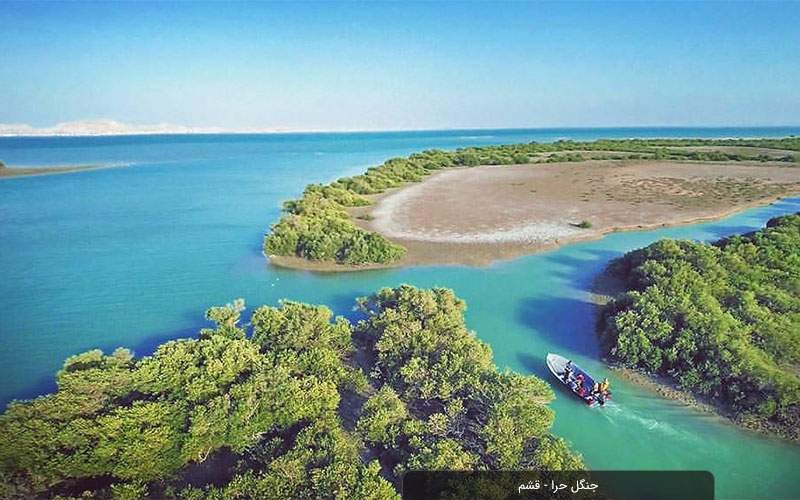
pixel 478 215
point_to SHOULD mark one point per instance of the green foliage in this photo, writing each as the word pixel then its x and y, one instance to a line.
pixel 143 420
pixel 443 454
pixel 282 395
pixel 521 158
pixel 128 491
pixel 318 227
pixel 225 318
pixel 421 343
pixel 467 159
pixel 327 233
pixel 552 453
pixel 721 319
pixel 300 327
pixel 323 462
pixel 442 403
pixel 518 416
pixel 382 417
pixel 302 335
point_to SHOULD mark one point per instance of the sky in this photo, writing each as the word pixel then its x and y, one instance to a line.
pixel 402 65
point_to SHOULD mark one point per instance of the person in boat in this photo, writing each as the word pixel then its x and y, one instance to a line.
pixel 579 388
pixel 604 385
pixel 596 388
pixel 567 371
pixel 573 384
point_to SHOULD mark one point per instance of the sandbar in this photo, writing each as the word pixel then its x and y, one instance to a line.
pixel 478 215
pixel 8 172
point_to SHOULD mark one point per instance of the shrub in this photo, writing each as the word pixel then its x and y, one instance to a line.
pixel 721 319
pixel 271 401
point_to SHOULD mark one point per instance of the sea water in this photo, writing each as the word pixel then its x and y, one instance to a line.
pixel 132 256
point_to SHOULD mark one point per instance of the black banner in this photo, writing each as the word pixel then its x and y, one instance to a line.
pixel 558 485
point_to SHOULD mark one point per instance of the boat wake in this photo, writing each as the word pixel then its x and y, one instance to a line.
pixel 617 414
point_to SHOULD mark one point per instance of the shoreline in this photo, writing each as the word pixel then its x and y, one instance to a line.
pixel 667 388
pixel 513 251
pixel 323 266
pixel 603 289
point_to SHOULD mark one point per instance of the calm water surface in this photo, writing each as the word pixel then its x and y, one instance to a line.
pixel 132 256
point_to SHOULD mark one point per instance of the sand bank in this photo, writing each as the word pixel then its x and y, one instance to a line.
pixel 7 172
pixel 477 215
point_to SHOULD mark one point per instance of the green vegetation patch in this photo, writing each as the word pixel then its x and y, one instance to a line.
pixel 722 319
pixel 293 404
pixel 317 226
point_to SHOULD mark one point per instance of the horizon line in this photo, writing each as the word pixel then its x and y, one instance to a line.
pixel 397 130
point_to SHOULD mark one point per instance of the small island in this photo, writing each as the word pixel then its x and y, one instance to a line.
pixel 721 320
pixel 477 205
pixel 293 404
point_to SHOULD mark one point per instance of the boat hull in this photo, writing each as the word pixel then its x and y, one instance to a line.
pixel 557 364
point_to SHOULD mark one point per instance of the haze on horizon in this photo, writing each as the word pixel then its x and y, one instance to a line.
pixel 391 65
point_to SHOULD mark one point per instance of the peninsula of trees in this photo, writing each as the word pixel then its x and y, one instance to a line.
pixel 721 319
pixel 317 227
pixel 292 404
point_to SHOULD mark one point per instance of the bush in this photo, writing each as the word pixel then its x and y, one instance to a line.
pixel 722 319
pixel 276 401
pixel 467 159
pixel 521 159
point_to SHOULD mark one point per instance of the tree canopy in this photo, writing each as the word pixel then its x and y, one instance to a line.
pixel 292 404
pixel 722 319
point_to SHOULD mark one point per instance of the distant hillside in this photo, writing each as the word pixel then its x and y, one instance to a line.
pixel 103 126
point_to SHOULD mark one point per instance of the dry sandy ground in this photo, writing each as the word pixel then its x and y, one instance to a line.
pixel 477 215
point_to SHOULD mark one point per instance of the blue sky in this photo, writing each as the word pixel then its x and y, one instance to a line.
pixel 401 65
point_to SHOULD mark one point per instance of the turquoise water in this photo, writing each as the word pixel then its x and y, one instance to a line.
pixel 132 256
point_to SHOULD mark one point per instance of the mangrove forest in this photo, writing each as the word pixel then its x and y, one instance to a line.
pixel 721 319
pixel 294 403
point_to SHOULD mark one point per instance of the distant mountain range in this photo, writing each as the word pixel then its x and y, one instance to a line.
pixel 112 127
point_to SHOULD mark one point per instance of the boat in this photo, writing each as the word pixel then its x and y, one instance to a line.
pixel 557 365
